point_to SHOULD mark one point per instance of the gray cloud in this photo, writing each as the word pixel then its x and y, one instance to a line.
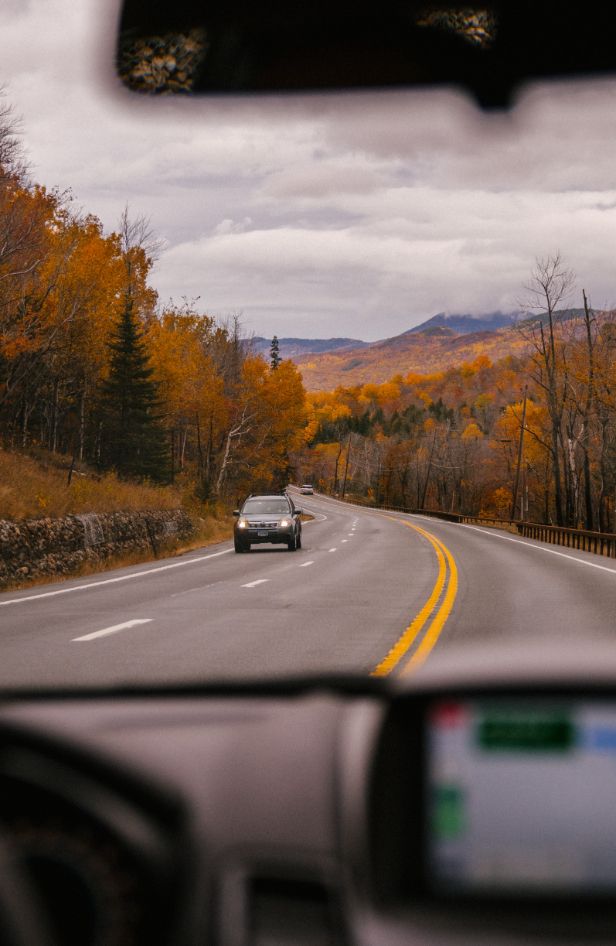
pixel 321 215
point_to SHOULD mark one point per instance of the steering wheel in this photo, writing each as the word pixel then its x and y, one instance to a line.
pixel 20 917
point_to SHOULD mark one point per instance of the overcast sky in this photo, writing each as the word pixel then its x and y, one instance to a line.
pixel 355 215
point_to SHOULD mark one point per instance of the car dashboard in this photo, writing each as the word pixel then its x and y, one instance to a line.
pixel 312 812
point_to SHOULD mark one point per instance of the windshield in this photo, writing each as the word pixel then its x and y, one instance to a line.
pixel 394 301
pixel 254 507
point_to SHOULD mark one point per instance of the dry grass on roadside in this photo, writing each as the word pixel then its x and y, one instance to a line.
pixel 31 488
pixel 215 525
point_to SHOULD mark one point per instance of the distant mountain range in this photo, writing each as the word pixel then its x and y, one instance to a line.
pixel 440 342
pixel 295 347
pixel 465 324
pixel 461 324
pixel 421 352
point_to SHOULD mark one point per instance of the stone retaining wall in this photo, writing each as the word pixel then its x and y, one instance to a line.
pixel 34 548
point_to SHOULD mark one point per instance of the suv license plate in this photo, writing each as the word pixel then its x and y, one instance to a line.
pixel 263 533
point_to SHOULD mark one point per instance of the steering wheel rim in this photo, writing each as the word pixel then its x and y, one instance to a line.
pixel 21 922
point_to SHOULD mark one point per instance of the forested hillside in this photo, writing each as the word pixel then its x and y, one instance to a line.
pixel 535 430
pixel 430 350
pixel 94 367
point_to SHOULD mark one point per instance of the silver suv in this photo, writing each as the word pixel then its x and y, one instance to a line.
pixel 267 519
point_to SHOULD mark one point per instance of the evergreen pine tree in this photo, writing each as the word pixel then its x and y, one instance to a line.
pixel 275 358
pixel 134 441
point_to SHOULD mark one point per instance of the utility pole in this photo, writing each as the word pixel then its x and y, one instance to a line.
pixel 428 471
pixel 346 466
pixel 516 486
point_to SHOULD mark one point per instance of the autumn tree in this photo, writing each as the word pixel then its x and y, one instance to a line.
pixel 185 346
pixel 91 366
pixel 267 425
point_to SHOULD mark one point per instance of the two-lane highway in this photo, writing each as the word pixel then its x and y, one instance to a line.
pixel 370 592
pixel 335 605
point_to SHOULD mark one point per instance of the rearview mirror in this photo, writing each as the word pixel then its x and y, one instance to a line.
pixel 187 46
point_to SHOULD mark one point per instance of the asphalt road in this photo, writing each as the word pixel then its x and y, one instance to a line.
pixel 369 592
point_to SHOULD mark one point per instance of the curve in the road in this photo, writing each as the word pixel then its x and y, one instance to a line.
pixel 385 600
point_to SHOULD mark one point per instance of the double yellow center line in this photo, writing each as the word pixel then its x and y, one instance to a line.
pixel 436 610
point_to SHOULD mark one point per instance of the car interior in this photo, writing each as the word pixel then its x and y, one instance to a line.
pixel 468 804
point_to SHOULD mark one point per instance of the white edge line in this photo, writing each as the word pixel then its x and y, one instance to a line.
pixel 494 535
pixel 253 584
pixel 540 548
pixel 113 629
pixel 111 581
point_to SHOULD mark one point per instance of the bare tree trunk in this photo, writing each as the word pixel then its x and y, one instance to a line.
pixel 27 409
pixel 573 491
pixel 514 498
pixel 208 452
pixel 234 434
pixel 546 493
pixel 54 417
pixel 427 480
pixel 588 407
pixel 199 450
pixel 82 422
pixel 549 286
pixel 603 495
pixel 339 454
pixel 225 462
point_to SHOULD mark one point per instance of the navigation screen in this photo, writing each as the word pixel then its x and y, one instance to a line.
pixel 521 797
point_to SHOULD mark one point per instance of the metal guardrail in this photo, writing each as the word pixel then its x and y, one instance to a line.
pixel 600 543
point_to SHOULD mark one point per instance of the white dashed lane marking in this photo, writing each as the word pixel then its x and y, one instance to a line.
pixel 306 564
pixel 105 631
pixel 253 584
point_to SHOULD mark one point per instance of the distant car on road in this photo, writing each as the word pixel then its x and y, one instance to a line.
pixel 306 489
pixel 268 519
